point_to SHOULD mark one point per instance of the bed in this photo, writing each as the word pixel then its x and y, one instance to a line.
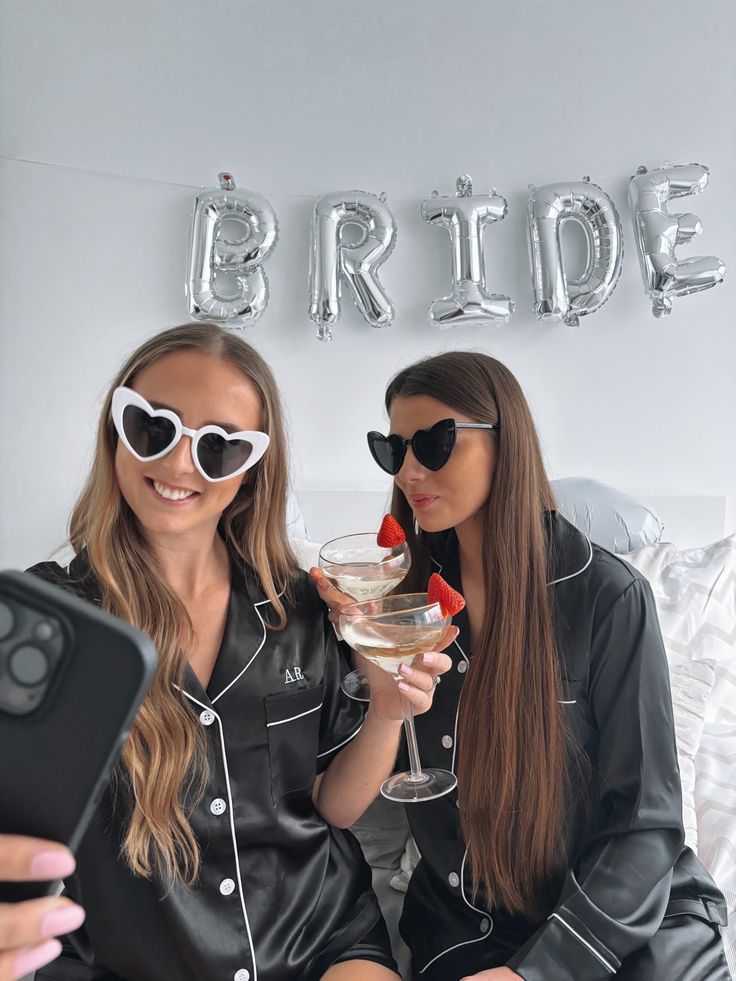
pixel 679 544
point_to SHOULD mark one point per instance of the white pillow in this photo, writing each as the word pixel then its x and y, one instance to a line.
pixel 715 801
pixel 607 516
pixel 695 593
pixel 692 683
pixel 307 553
pixel 295 525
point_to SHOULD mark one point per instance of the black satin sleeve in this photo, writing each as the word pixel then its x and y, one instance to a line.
pixel 615 896
pixel 341 716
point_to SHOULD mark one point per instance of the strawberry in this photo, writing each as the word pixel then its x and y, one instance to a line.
pixel 438 591
pixel 391 532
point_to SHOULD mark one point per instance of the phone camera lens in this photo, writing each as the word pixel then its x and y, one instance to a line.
pixel 7 620
pixel 28 665
pixel 44 630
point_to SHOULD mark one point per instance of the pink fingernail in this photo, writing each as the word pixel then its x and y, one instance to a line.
pixel 64 920
pixel 31 960
pixel 405 670
pixel 428 658
pixel 404 687
pixel 52 865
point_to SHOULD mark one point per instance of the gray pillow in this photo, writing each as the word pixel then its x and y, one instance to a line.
pixel 295 525
pixel 607 516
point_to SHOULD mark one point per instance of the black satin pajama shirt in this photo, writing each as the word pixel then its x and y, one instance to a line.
pixel 636 903
pixel 281 894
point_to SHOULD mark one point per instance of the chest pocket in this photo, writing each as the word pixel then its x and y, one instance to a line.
pixel 292 726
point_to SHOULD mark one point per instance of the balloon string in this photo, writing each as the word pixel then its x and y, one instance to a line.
pixel 127 178
pixel 130 179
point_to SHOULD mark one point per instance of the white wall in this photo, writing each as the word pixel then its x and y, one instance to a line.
pixel 399 95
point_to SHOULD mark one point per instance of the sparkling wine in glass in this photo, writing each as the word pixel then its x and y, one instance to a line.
pixel 390 632
pixel 363 570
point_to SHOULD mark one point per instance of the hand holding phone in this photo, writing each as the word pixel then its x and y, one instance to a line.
pixel 27 929
pixel 71 680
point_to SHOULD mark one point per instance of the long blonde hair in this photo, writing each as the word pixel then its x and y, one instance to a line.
pixel 164 763
pixel 513 742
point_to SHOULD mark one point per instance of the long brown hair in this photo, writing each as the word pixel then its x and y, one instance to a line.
pixel 164 763
pixel 512 738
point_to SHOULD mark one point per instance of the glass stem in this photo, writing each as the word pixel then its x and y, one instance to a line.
pixel 416 775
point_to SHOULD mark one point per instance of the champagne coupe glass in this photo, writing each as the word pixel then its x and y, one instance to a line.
pixel 390 632
pixel 363 570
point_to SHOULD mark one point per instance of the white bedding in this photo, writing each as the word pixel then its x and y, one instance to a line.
pixel 695 592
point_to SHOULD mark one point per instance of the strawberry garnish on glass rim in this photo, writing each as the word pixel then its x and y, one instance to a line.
pixel 391 533
pixel 439 591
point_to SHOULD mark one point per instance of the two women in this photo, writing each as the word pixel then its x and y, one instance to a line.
pixel 217 852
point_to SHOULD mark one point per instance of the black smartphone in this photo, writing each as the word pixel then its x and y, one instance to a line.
pixel 71 681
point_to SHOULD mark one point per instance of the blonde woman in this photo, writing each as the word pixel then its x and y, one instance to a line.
pixel 218 854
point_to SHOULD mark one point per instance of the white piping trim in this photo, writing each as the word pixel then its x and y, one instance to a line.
pixel 562 578
pixel 462 889
pixel 292 717
pixel 263 641
pixel 583 941
pixel 263 602
pixel 232 827
pixel 258 651
pixel 475 909
pixel 457 709
pixel 573 574
pixel 340 745
pixel 562 702
pixel 454 947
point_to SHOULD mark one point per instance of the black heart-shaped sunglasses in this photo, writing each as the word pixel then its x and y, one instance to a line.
pixel 431 447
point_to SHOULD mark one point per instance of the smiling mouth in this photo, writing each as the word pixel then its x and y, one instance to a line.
pixel 170 493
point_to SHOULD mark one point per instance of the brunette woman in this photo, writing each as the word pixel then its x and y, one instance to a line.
pixel 561 856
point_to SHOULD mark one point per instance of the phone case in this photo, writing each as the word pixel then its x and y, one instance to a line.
pixel 56 757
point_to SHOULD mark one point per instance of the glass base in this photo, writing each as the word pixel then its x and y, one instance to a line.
pixel 402 787
pixel 355 685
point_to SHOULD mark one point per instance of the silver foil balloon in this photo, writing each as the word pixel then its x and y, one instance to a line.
pixel 657 233
pixel 465 216
pixel 556 297
pixel 333 260
pixel 215 251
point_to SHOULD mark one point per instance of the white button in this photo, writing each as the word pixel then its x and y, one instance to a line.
pixel 227 886
pixel 462 666
pixel 218 806
pixel 206 717
pixel 242 975
pixel 484 925
pixel 454 879
pixel 447 742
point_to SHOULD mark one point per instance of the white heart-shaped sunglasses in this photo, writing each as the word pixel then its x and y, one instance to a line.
pixel 150 433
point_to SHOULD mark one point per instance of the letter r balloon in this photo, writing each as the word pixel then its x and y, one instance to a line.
pixel 466 215
pixel 333 260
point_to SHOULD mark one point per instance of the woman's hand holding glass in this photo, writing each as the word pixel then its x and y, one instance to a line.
pixel 358 567
pixel 418 680
pixel 27 928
